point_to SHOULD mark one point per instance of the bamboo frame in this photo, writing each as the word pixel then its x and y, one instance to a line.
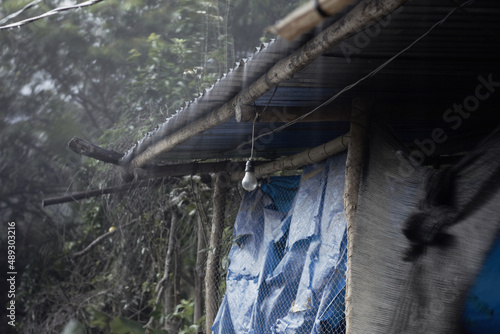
pixel 361 15
pixel 354 167
pixel 156 175
pixel 306 17
pixel 299 160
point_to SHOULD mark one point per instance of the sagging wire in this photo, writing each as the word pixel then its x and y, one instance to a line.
pixel 369 75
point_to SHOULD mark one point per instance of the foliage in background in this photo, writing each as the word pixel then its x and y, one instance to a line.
pixel 109 73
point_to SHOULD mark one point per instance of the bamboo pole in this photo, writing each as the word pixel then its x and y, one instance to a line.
pixel 213 257
pixel 299 160
pixel 306 17
pixel 364 13
pixel 353 170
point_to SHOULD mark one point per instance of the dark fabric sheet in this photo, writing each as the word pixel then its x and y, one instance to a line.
pixel 421 237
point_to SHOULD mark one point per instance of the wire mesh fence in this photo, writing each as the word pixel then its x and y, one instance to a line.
pixel 282 268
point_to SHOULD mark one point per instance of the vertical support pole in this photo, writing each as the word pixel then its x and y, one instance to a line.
pixel 167 284
pixel 199 276
pixel 212 278
pixel 353 170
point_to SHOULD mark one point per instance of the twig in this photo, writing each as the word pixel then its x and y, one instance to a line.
pixel 98 240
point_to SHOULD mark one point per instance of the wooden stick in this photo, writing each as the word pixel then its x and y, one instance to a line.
pixel 88 149
pixel 99 192
pixel 98 240
pixel 213 257
pixel 353 169
pixel 306 17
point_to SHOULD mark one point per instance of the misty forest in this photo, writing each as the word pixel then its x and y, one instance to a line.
pixel 131 261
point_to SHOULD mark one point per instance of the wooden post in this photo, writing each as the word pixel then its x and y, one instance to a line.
pixel 353 171
pixel 213 258
pixel 199 274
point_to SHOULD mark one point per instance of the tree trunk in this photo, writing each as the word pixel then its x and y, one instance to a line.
pixel 213 258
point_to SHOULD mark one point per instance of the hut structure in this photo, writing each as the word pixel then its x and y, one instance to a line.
pixel 390 108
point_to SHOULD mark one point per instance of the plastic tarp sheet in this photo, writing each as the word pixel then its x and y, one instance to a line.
pixel 482 307
pixel 287 264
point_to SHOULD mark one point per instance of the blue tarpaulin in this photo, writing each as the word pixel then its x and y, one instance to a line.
pixel 482 308
pixel 287 264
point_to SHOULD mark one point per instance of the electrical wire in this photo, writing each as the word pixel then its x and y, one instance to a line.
pixel 253 135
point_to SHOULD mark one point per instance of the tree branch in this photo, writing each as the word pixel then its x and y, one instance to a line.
pixel 88 149
pixel 98 240
pixel 49 13
pixel 99 192
pixel 19 12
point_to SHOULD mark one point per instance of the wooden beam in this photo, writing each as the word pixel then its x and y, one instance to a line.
pixel 353 170
pixel 88 149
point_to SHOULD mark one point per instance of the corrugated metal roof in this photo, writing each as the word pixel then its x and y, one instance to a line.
pixel 440 70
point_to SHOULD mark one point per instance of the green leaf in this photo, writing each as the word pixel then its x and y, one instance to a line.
pixel 121 325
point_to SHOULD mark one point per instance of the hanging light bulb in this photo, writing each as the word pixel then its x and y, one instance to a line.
pixel 249 181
